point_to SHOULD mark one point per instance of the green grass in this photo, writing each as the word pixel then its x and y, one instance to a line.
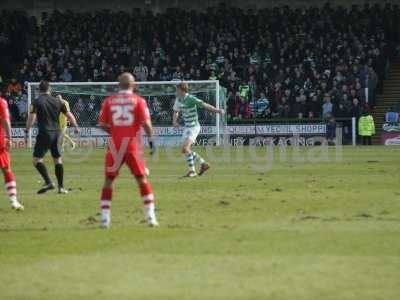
pixel 301 230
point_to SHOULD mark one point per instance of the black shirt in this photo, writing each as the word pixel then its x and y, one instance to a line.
pixel 48 110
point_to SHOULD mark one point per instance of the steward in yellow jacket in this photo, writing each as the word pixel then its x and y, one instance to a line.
pixel 366 127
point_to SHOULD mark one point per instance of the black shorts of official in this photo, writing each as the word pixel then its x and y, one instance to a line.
pixel 46 141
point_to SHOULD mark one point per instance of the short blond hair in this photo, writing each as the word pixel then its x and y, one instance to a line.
pixel 183 86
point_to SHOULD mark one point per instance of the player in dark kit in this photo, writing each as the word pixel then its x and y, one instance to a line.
pixel 46 109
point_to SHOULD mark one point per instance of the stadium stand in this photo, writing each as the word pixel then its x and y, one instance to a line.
pixel 275 63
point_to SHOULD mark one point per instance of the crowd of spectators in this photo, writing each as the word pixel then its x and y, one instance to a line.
pixel 275 63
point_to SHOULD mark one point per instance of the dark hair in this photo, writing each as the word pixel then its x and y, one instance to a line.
pixel 44 86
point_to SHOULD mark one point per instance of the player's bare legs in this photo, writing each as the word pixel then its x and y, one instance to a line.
pixel 105 202
pixel 11 187
pixel 5 145
pixel 146 193
pixel 187 151
pixel 123 125
pixel 191 158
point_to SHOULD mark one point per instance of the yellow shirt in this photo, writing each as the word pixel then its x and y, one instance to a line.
pixel 63 120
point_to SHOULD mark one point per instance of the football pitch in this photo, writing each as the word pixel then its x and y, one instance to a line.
pixel 297 227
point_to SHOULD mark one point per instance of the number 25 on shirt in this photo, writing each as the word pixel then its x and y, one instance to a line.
pixel 122 115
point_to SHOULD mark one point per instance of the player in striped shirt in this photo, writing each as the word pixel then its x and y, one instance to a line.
pixel 187 104
pixel 63 120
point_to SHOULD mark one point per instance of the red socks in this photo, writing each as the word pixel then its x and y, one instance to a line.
pixel 147 193
pixel 11 185
pixel 106 197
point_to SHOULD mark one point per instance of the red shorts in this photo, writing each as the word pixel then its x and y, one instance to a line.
pixel 132 159
pixel 4 158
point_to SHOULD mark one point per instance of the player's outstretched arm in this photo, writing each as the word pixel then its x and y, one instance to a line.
pixel 148 129
pixel 213 109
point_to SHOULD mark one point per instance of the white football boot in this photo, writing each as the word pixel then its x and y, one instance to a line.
pixel 17 206
pixel 152 222
pixel 105 222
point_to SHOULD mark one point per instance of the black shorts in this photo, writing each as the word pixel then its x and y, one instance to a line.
pixel 48 141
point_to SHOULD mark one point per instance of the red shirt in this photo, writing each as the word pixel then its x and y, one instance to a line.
pixel 4 115
pixel 125 113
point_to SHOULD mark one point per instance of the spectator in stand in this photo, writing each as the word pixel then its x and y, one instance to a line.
pixel 153 75
pixel 316 49
pixel 340 111
pixel 244 91
pixel 259 106
pixel 177 75
pixel 155 108
pixel 81 75
pixel 91 111
pixel 231 105
pixel 331 130
pixel 14 87
pixel 79 110
pixel 14 112
pixel 197 75
pixel 22 76
pixel 313 106
pixel 244 109
pixel 299 107
pixel 237 101
pixel 360 93
pixel 23 108
pixel 66 76
pixel 355 110
pixel 392 117
pixel 327 107
pixel 213 76
pixel 282 109
pixel 141 72
pixel 253 87
pixel 165 75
